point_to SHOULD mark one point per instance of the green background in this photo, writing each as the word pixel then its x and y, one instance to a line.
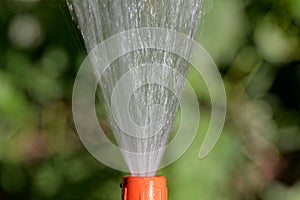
pixel 255 44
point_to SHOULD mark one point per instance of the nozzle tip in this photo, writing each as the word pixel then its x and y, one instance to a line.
pixel 144 188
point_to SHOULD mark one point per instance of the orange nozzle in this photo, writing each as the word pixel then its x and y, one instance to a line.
pixel 144 188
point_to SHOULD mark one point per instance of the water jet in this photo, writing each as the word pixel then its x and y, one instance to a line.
pixel 141 87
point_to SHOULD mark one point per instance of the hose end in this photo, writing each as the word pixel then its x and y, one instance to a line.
pixel 144 188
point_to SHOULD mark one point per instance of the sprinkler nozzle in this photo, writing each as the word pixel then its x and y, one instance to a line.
pixel 144 188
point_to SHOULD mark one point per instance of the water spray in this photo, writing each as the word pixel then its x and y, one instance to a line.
pixel 141 88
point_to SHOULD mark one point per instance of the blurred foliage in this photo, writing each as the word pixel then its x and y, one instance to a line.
pixel 255 43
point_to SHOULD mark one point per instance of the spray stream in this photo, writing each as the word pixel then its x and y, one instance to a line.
pixel 142 120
